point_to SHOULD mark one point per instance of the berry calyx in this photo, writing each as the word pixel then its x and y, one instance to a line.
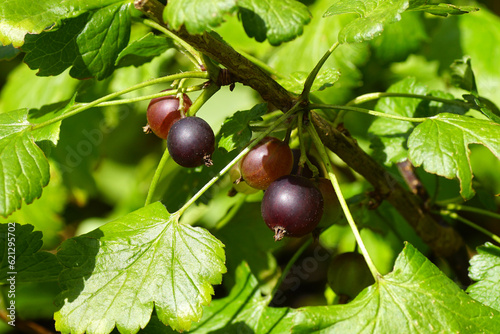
pixel 268 160
pixel 163 112
pixel 191 142
pixel 292 206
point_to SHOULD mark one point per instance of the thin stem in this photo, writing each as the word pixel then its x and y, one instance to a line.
pixel 193 55
pixel 312 76
pixel 145 97
pixel 454 215
pixel 369 112
pixel 237 158
pixel 289 266
pixel 197 75
pixel 374 96
pixel 458 207
pixel 156 176
pixel 303 154
pixel 336 186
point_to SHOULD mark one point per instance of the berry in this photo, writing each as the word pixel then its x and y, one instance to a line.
pixel 268 160
pixel 292 206
pixel 163 112
pixel 332 209
pixel 191 142
pixel 348 275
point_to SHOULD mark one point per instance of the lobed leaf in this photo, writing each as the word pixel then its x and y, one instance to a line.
pixel 197 15
pixel 90 43
pixel 235 131
pixel 244 310
pixel 277 21
pixel 416 297
pixel 374 15
pixel 21 17
pixel 116 274
pixel 441 146
pixel 485 270
pixel 30 264
pixel 24 169
pixel 391 134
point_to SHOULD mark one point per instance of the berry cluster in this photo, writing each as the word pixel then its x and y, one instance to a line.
pixel 293 205
pixel 190 140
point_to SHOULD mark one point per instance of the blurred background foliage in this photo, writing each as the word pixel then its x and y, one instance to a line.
pixel 103 164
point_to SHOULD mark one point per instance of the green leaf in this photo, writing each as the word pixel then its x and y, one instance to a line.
pixel 302 54
pixel 416 297
pixel 277 20
pixel 374 15
pixel 441 145
pixel 21 17
pixel 91 42
pixel 27 262
pixel 326 78
pixel 24 170
pixel 391 134
pixel 143 50
pixel 236 132
pixel 462 76
pixel 116 274
pixel 197 15
pixel 485 270
pixel 441 9
pixel 45 212
pixel 244 310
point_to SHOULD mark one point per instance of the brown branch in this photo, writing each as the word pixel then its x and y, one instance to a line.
pixel 444 241
pixel 242 70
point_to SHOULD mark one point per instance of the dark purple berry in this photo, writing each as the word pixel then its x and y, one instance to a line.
pixel 191 142
pixel 292 206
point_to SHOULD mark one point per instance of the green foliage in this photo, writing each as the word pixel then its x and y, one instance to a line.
pixel 92 44
pixel 405 101
pixel 484 270
pixel 441 146
pixel 27 261
pixel 141 260
pixel 24 168
pixel 415 297
pixel 373 16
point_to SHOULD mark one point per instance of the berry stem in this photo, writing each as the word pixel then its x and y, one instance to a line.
pixel 192 54
pixel 156 176
pixel 238 157
pixel 303 155
pixel 369 112
pixel 454 215
pixel 336 186
pixel 79 108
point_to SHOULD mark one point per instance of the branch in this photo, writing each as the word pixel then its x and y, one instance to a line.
pixel 241 69
pixel 444 241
